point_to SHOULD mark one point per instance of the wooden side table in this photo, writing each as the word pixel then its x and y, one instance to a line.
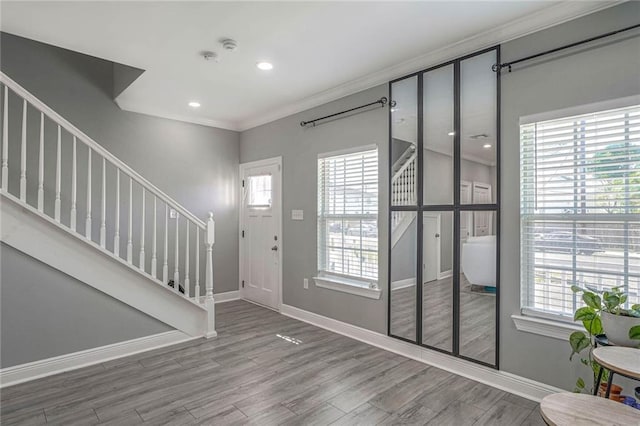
pixel 618 360
pixel 571 409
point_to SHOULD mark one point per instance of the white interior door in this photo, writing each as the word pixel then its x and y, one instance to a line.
pixel 482 221
pixel 430 247
pixel 260 239
pixel 465 217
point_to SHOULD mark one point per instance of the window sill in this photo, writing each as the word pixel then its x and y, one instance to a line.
pixel 545 327
pixel 359 288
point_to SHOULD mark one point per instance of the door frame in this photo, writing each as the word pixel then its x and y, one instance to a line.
pixel 241 169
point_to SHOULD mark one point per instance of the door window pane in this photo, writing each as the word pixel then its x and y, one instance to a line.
pixel 260 191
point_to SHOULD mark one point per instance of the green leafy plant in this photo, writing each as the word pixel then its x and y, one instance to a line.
pixel 597 302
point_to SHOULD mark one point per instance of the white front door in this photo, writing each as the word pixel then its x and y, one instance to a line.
pixel 260 237
pixel 482 221
pixel 431 247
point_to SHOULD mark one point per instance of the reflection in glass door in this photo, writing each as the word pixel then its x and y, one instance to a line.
pixel 444 219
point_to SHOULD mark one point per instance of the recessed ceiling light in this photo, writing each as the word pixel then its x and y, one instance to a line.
pixel 194 104
pixel 264 66
pixel 451 133
pixel 486 146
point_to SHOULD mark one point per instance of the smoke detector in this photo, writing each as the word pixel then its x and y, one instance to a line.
pixel 210 56
pixel 229 44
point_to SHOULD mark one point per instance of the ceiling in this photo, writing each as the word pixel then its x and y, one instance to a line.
pixel 320 50
pixel 478 109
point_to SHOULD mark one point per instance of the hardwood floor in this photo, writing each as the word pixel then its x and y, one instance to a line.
pixel 263 369
pixel 477 318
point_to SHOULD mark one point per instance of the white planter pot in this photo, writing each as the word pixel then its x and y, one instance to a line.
pixel 616 327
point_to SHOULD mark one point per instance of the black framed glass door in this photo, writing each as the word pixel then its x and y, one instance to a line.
pixel 444 208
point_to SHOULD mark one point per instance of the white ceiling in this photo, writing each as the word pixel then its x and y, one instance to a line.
pixel 320 50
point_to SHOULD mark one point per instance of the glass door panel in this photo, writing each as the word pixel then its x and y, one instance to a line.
pixel 404 246
pixel 478 129
pixel 438 131
pixel 404 142
pixel 437 280
pixel 478 282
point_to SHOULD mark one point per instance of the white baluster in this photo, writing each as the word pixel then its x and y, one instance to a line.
pixel 56 204
pixel 209 301
pixel 196 290
pixel 130 227
pixel 103 218
pixel 23 154
pixel 154 260
pixel 165 266
pixel 41 166
pixel 74 186
pixel 5 140
pixel 116 238
pixel 142 230
pixel 87 224
pixel 176 268
pixel 186 263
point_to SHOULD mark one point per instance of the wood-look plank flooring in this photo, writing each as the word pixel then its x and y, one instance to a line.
pixel 264 369
pixel 477 317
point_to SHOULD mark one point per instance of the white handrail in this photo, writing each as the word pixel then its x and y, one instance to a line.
pixel 97 148
pixel 181 241
pixel 404 167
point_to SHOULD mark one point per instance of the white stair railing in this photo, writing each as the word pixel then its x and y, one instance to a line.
pixel 403 188
pixel 64 192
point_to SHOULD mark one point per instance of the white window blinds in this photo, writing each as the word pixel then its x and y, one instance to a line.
pixel 580 208
pixel 348 215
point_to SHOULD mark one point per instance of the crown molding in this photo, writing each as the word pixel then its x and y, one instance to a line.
pixel 546 18
pixel 554 15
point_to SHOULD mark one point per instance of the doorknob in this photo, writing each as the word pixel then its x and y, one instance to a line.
pixel 437 235
pixel 274 248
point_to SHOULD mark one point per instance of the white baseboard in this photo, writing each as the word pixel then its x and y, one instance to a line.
pixel 445 274
pixel 226 296
pixel 46 367
pixel 508 382
pixel 409 282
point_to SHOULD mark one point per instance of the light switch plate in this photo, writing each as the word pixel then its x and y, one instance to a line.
pixel 297 214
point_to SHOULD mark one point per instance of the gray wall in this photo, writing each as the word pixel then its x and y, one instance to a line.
pixel 299 149
pixel 593 75
pixel 45 313
pixel 590 76
pixel 195 165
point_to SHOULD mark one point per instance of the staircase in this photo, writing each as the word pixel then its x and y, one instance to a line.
pixel 71 204
pixel 403 192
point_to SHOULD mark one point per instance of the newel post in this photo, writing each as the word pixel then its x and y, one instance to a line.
pixel 209 303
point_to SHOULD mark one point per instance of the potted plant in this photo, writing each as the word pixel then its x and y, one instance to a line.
pixel 601 307
pixel 620 325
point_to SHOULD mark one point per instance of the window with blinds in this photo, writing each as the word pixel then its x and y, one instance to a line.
pixel 348 215
pixel 580 208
